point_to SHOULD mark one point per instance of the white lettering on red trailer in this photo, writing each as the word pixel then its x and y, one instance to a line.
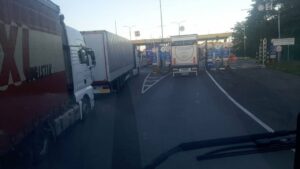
pixel 9 72
pixel 8 68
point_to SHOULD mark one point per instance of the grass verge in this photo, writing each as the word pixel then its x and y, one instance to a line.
pixel 292 67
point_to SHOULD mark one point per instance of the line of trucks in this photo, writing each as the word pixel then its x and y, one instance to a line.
pixel 49 73
pixel 181 54
pixel 187 57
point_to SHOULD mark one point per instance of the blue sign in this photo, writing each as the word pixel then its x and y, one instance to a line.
pixel 273 52
pixel 149 55
pixel 226 52
pixel 221 52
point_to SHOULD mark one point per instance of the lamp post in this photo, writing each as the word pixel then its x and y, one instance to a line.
pixel 245 37
pixel 161 21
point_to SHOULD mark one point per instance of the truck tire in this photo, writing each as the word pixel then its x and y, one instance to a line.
pixel 86 107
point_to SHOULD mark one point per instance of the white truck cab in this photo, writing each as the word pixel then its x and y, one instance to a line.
pixel 82 63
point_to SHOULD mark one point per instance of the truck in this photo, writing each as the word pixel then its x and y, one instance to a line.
pixel 184 54
pixel 45 76
pixel 114 57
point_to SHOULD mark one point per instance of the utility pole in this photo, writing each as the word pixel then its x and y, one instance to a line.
pixel 279 25
pixel 161 21
pixel 279 29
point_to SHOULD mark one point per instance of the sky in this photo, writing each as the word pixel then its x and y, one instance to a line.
pixel 197 16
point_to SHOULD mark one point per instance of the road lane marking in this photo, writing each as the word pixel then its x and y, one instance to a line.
pixel 147 86
pixel 144 82
pixel 246 111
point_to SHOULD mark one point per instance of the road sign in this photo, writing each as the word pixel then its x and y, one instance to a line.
pixel 137 33
pixel 282 42
pixel 279 48
pixel 273 51
pixel 181 28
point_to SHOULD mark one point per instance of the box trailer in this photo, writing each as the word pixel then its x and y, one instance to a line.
pixel 185 57
pixel 45 76
pixel 114 57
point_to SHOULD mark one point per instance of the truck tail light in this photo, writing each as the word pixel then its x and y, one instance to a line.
pixel 194 60
pixel 174 61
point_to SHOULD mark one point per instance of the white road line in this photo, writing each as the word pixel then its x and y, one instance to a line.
pixel 251 115
pixel 144 82
pixel 150 86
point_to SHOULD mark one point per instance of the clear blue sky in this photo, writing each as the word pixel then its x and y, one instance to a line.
pixel 199 16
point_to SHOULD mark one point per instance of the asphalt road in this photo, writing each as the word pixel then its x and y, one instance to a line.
pixel 128 130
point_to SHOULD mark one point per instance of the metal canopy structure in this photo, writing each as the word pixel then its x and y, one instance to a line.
pixel 217 36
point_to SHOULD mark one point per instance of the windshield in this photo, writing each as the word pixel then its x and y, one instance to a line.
pixel 161 84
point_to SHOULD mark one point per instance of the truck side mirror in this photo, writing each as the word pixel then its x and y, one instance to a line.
pixel 83 57
pixel 92 54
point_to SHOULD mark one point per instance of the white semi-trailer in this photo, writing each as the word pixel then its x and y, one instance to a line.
pixel 185 57
pixel 114 57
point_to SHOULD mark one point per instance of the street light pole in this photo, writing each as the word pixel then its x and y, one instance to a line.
pixel 279 30
pixel 161 21
pixel 279 25
pixel 116 29
pixel 179 25
pixel 130 32
pixel 245 33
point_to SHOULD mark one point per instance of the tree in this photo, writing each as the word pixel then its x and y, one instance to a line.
pixel 263 24
pixel 238 38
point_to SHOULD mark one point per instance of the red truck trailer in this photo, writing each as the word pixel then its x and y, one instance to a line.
pixel 45 75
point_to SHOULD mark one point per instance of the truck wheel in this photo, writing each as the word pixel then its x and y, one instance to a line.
pixel 86 108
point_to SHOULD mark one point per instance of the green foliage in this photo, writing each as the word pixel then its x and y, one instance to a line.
pixel 288 67
pixel 238 41
pixel 264 24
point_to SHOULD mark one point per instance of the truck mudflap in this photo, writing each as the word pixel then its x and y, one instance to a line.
pixel 65 120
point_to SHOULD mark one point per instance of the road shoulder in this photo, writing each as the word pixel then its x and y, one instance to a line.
pixel 271 95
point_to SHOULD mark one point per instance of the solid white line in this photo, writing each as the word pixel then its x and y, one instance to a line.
pixel 251 115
